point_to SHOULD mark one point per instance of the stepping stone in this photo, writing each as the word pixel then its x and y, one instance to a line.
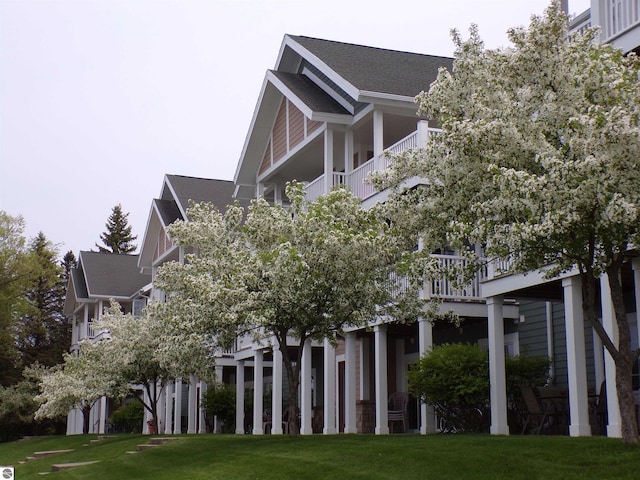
pixel 142 448
pixel 50 452
pixel 131 452
pixel 65 466
pixel 161 440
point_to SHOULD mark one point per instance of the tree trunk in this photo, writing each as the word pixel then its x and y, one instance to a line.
pixel 621 353
pixel 624 362
pixel 86 411
pixel 293 377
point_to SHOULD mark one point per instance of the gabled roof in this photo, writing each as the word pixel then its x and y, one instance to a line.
pixel 371 69
pixel 104 275
pixel 111 275
pixel 175 194
pixel 332 82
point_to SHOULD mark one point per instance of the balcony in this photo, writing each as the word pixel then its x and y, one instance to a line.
pixel 447 288
pixel 356 181
pixel 617 19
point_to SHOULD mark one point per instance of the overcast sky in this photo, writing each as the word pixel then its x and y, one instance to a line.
pixel 99 99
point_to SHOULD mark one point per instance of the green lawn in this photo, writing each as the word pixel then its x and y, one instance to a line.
pixel 339 457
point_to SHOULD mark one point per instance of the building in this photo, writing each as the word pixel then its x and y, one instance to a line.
pixel 98 278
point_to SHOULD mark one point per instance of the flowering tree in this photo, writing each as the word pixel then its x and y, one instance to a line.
pixel 76 383
pixel 539 160
pixel 303 272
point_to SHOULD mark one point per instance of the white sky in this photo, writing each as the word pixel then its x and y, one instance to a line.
pixel 99 99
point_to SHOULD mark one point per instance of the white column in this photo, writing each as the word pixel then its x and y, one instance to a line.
pixel 422 133
pixel 365 384
pixel 382 391
pixel 202 424
pixel 147 414
pixel 497 377
pixel 350 383
pixel 425 343
pixel 328 159
pixel 276 400
pixel 240 397
pixel 329 388
pixel 258 391
pixel 103 415
pixel 378 133
pixel 177 415
pixel 193 404
pixel 161 409
pixel 168 412
pixel 610 325
pixel 348 151
pixel 576 359
pixel 277 194
pixel 635 264
pixel 306 411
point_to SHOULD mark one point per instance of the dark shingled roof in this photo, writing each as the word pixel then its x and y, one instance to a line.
pixel 217 192
pixel 168 210
pixel 110 274
pixel 311 94
pixel 376 69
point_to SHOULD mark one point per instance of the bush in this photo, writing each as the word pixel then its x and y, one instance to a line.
pixel 454 379
pixel 220 400
pixel 128 418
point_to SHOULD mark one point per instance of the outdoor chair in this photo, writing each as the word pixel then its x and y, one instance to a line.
pixel 542 415
pixel 398 409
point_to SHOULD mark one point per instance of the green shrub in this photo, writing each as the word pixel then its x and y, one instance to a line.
pixel 454 379
pixel 220 400
pixel 128 418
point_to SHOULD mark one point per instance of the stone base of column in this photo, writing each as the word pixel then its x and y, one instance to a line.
pixel 580 430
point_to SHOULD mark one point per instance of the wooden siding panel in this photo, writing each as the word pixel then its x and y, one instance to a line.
pixel 296 126
pixel 266 160
pixel 279 136
pixel 312 126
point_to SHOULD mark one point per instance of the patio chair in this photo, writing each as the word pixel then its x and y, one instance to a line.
pixel 398 409
pixel 538 413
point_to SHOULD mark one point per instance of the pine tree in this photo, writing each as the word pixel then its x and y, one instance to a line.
pixel 117 238
pixel 43 333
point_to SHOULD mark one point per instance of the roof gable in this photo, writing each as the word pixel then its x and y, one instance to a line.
pixel 370 69
pixel 109 275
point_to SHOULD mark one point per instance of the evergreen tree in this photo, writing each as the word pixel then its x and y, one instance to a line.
pixel 117 238
pixel 43 333
pixel 16 271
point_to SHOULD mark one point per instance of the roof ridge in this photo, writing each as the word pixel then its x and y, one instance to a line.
pixel 368 46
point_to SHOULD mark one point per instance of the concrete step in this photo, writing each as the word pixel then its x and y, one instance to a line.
pixel 50 452
pixel 161 440
pixel 142 448
pixel 65 466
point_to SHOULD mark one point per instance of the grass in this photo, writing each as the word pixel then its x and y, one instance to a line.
pixel 332 457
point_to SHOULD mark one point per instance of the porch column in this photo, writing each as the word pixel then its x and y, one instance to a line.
pixel 378 133
pixel 348 151
pixel 497 376
pixel 258 391
pixel 365 368
pixel 422 133
pixel 425 343
pixel 168 408
pixel 103 415
pixel 350 383
pixel 276 393
pixel 147 414
pixel 240 397
pixel 202 423
pixel 218 379
pixel 382 395
pixel 177 422
pixel 610 325
pixel 277 194
pixel 635 264
pixel 329 388
pixel 576 359
pixel 161 408
pixel 328 159
pixel 306 410
pixel 193 404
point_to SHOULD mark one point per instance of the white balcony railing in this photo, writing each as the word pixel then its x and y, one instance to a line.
pixel 356 181
pixel 619 16
pixel 448 288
